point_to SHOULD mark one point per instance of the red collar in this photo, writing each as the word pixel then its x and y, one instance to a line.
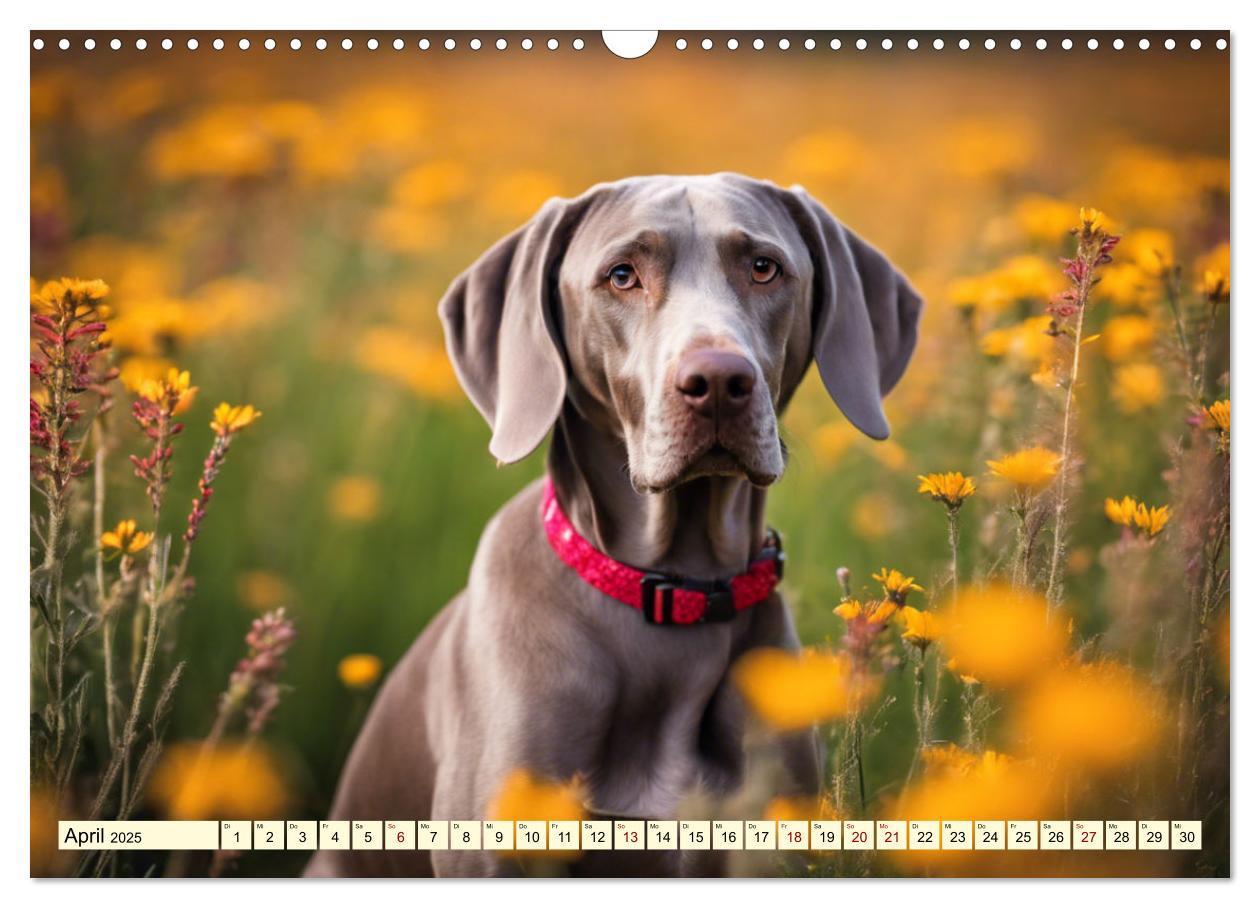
pixel 663 599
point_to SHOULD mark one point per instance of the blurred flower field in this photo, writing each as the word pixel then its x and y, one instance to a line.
pixel 1031 617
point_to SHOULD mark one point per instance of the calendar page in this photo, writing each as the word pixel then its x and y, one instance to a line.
pixel 661 454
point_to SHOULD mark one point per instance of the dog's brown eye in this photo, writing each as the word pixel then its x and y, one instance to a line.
pixel 764 270
pixel 623 277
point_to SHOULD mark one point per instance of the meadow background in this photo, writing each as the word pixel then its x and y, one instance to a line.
pixel 283 223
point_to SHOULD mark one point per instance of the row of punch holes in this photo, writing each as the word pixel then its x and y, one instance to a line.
pixel 681 44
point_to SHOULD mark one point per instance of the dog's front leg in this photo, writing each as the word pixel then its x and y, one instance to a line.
pixel 800 752
pixel 546 719
pixel 802 756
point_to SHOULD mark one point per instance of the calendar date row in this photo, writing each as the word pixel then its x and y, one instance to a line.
pixel 619 835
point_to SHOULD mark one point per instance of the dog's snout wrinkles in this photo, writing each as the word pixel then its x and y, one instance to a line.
pixel 715 381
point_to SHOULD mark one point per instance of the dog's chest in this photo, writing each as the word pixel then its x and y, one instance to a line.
pixel 675 723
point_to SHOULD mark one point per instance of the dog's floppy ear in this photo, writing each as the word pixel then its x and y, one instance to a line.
pixel 865 315
pixel 500 333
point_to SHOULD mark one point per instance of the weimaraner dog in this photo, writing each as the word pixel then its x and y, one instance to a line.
pixel 657 327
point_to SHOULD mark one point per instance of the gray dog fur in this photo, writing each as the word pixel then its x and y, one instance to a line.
pixel 530 667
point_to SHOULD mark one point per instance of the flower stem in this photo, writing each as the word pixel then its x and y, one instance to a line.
pixel 920 714
pixel 1200 371
pixel 953 550
pixel 133 717
pixel 107 619
pixel 153 596
pixel 856 738
pixel 1172 292
pixel 1053 597
pixel 1019 562
pixel 56 488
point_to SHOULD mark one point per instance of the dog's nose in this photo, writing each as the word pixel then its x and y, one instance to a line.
pixel 715 381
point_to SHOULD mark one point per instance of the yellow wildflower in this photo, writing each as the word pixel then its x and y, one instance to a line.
pixel 1216 419
pixel 134 94
pixel 1044 219
pixel 1022 277
pixel 790 691
pixel 1131 513
pixel 411 360
pixel 408 231
pixel 518 194
pixel 525 796
pixel 1148 179
pixel 175 391
pixel 1137 386
pixel 1001 635
pixel 432 183
pixel 1216 259
pixel 229 419
pixel 961 784
pixel 896 584
pixel 391 119
pixel 68 292
pixel 1129 285
pixel 125 539
pixel 1126 335
pixel 1151 520
pixel 874 516
pixel 973 293
pixel 134 271
pixel 951 489
pixel 230 304
pixel 1028 277
pixel 355 498
pixel 263 590
pixel 1092 219
pixel 1029 470
pixel 1215 286
pixel 1098 716
pixel 802 807
pixel 150 326
pixel 522 795
pixel 848 609
pixel 828 154
pixel 922 628
pixel 890 454
pixel 134 371
pixel 230 780
pixel 1151 250
pixel 1218 415
pixel 224 140
pixel 874 612
pixel 90 289
pixel 1027 345
pixel 991 149
pixel 359 670
pixel 831 440
pixel 1120 512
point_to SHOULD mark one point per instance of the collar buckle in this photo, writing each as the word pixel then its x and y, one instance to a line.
pixel 657 598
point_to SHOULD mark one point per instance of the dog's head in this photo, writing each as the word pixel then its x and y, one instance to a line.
pixel 679 314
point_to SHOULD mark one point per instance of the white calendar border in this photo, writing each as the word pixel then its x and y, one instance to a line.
pixel 665 14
